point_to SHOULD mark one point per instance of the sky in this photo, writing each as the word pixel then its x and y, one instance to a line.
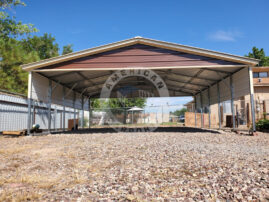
pixel 231 26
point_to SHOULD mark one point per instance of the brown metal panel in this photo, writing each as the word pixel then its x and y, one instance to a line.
pixel 139 56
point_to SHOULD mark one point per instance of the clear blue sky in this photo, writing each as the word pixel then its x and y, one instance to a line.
pixel 232 26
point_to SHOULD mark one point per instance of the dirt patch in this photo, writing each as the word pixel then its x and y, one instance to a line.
pixel 135 166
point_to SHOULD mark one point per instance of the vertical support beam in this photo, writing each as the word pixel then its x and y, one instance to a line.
pixel 82 111
pixel 74 107
pixel 30 83
pixel 252 99
pixel 49 107
pixel 63 108
pixel 232 99
pixel 89 112
pixel 195 109
pixel 202 115
pixel 143 113
pixel 162 113
pixel 209 110
pixel 33 113
pixel 219 105
pixel 55 118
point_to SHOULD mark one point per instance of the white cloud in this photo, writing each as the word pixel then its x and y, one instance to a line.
pixel 221 35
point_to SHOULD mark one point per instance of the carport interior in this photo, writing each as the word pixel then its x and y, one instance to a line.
pixel 210 77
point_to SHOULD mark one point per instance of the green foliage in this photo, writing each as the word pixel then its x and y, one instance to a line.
pixel 179 112
pixel 67 49
pixel 95 103
pixel 259 54
pixel 13 78
pixel 9 27
pixel 262 125
pixel 85 122
pixel 125 102
pixel 9 3
pixel 45 46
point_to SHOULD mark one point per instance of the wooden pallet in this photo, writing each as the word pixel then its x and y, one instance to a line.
pixel 15 133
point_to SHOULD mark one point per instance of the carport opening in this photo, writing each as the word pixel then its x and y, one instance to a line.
pixel 138 112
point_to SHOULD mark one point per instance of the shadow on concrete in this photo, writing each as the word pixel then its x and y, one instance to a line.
pixel 137 129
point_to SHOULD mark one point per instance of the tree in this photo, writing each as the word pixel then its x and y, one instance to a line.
pixel 67 49
pixel 12 54
pixel 45 46
pixel 179 112
pixel 125 102
pixel 13 78
pixel 259 54
pixel 9 27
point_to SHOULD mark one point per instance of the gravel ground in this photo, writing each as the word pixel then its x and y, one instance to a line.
pixel 135 167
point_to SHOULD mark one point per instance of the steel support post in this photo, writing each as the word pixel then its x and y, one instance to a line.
pixel 89 112
pixel 218 91
pixel 209 110
pixel 74 103
pixel 202 115
pixel 55 118
pixel 232 99
pixel 252 99
pixel 33 113
pixel 63 108
pixel 195 109
pixel 82 111
pixel 49 107
pixel 29 103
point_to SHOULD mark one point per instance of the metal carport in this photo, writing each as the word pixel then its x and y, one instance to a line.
pixel 209 76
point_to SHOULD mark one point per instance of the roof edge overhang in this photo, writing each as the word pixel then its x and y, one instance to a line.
pixel 153 68
pixel 144 41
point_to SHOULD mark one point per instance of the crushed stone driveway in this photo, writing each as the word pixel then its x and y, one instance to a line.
pixel 194 166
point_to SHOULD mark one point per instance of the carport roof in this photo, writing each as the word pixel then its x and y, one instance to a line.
pixel 185 70
pixel 144 41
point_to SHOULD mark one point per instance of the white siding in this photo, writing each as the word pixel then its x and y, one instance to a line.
pixel 213 95
pixel 225 93
pixel 40 92
pixel 198 102
pixel 205 98
pixel 241 83
pixel 40 87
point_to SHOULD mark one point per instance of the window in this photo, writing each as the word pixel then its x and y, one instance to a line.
pixel 263 74
pixel 255 75
pixel 260 74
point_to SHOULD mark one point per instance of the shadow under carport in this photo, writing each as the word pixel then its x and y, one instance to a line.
pixel 181 129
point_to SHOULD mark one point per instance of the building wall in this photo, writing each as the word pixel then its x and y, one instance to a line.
pixel 261 92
